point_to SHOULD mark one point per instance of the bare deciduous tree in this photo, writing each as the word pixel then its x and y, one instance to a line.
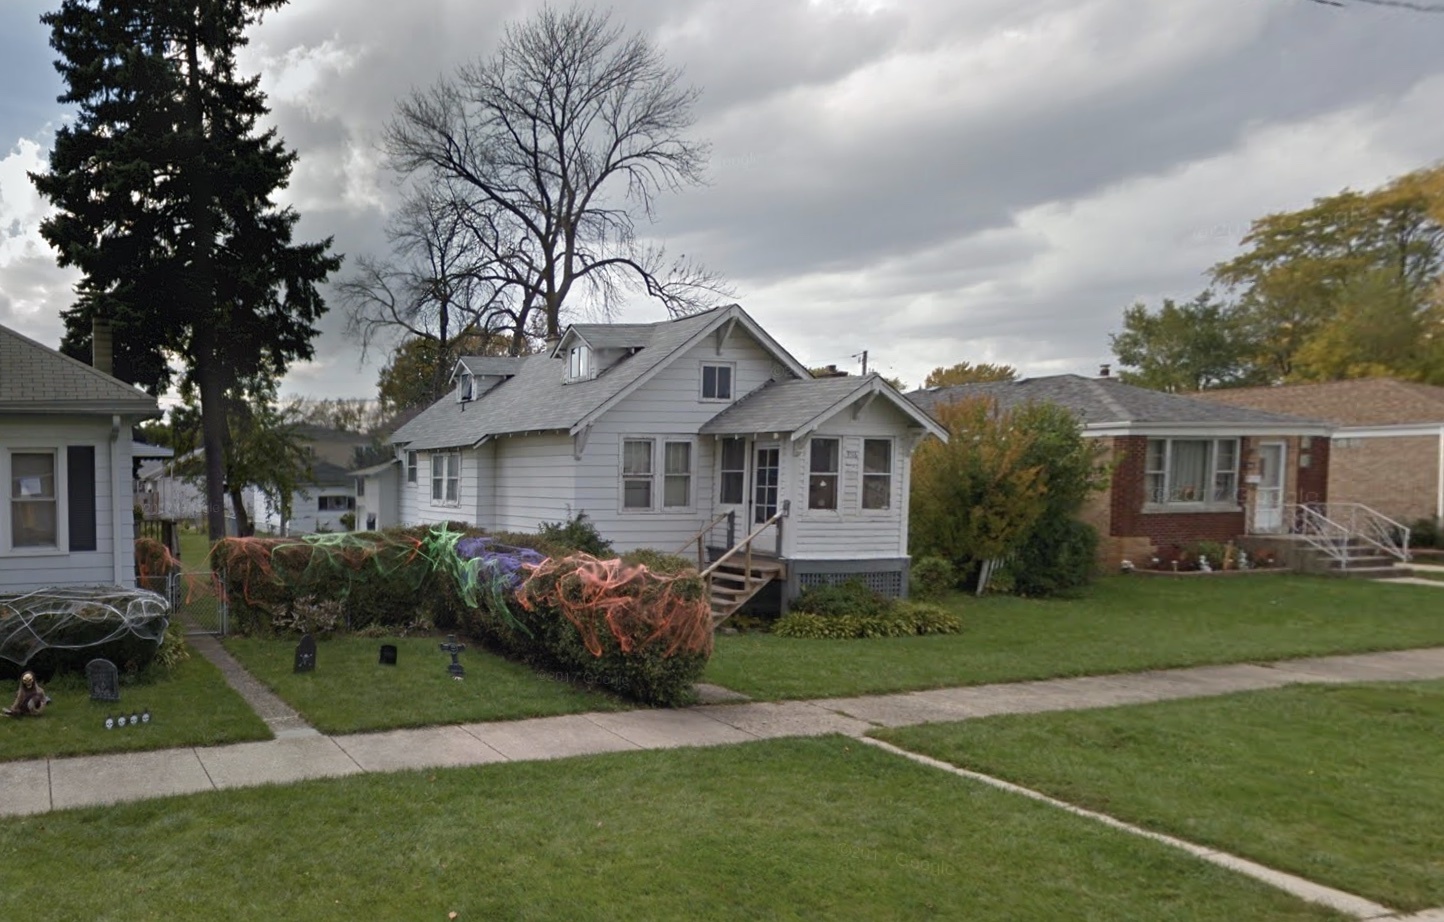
pixel 550 152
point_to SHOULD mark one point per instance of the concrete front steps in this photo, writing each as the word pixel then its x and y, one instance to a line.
pixel 1362 560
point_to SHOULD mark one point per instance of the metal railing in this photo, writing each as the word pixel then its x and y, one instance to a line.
pixel 1336 529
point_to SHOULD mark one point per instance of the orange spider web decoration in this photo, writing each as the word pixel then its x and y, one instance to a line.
pixel 641 609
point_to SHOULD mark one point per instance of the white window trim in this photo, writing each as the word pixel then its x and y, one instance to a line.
pixel 834 511
pixel 892 477
pixel 622 476
pixel 1208 504
pixel 661 469
pixel 447 474
pixel 731 382
pixel 62 504
pixel 584 368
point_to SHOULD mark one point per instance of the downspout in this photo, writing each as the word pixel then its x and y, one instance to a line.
pixel 117 532
pixel 1439 500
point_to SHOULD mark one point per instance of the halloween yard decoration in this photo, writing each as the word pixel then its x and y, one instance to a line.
pixel 30 698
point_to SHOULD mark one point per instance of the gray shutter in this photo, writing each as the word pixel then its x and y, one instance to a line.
pixel 80 494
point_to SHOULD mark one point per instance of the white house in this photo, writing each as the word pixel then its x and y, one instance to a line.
pixel 67 515
pixel 323 503
pixel 378 496
pixel 664 432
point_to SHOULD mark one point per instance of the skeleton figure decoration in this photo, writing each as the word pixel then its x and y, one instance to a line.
pixel 30 698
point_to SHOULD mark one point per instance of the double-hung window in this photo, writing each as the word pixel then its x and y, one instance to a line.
pixel 676 475
pixel 876 473
pixel 34 503
pixel 579 363
pixel 637 473
pixel 446 477
pixel 1191 471
pixel 823 473
pixel 411 467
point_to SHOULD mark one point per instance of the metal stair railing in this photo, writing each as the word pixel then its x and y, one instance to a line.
pixel 1334 528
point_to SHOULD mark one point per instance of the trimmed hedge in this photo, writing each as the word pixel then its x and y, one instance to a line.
pixel 50 632
pixel 638 626
pixel 899 619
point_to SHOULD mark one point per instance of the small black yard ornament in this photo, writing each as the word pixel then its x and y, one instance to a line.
pixel 455 670
pixel 388 654
pixel 306 654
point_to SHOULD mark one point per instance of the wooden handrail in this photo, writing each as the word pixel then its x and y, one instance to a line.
pixel 699 535
pixel 746 543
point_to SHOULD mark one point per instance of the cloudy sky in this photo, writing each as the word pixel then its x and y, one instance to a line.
pixel 928 180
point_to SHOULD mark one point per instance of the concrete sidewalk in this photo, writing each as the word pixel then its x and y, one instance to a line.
pixel 299 752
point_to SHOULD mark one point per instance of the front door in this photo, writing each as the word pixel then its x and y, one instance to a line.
pixel 1268 508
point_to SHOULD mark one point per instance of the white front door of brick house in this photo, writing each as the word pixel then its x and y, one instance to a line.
pixel 1268 502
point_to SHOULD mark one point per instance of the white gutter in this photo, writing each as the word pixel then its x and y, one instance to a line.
pixel 117 536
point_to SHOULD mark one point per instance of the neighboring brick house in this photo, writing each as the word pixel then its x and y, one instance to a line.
pixel 1184 469
pixel 1388 444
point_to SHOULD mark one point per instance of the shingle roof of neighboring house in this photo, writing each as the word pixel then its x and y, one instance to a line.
pixel 1106 402
pixel 1363 402
pixel 326 474
pixel 537 398
pixel 790 406
pixel 37 379
pixel 614 335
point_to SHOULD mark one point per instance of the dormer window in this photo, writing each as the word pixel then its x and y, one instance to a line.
pixel 467 387
pixel 579 363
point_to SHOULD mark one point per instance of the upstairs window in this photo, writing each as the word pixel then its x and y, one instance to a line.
pixel 822 474
pixel 360 486
pixel 467 387
pixel 579 363
pixel 716 382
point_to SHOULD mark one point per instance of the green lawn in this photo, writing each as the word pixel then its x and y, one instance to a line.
pixel 195 547
pixel 798 829
pixel 350 692
pixel 1338 784
pixel 192 706
pixel 1122 624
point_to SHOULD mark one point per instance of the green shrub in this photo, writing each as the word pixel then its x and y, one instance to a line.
pixel 1426 533
pixel 1058 558
pixel 931 578
pixel 661 562
pixel 98 627
pixel 927 618
pixel 577 533
pixel 173 648
pixel 836 600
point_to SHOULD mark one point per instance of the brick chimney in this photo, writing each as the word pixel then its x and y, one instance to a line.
pixel 1104 370
pixel 102 345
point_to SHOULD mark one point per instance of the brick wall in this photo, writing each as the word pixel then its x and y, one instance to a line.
pixel 1396 476
pixel 1128 532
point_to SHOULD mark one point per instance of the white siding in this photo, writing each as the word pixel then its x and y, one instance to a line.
pixel 535 481
pixel 669 405
pixel 417 506
pixel 22 571
pixel 381 498
pixel 851 532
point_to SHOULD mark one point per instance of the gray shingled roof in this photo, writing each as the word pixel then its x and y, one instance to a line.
pixel 493 364
pixel 614 335
pixel 538 399
pixel 37 379
pixel 1108 401
pixel 784 406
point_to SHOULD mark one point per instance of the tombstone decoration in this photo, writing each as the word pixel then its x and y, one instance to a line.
pixel 103 679
pixel 306 654
pixel 388 654
pixel 455 670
